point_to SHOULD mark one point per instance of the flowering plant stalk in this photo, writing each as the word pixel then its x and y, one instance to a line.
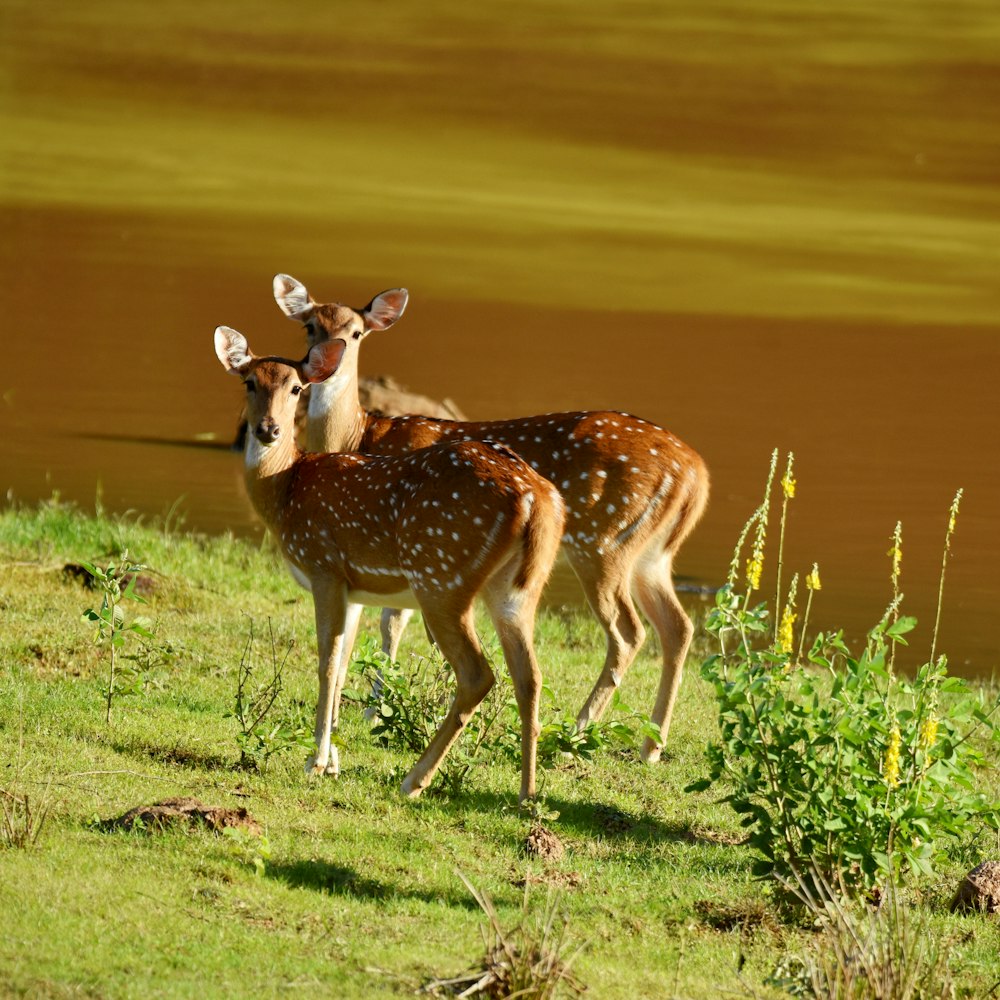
pixel 836 764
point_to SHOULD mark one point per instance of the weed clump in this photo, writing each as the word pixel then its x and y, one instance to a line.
pixel 264 731
pixel 529 961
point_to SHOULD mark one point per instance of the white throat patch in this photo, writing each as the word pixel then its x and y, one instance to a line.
pixel 254 451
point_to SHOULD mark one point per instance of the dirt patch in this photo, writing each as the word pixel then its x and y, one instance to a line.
pixel 183 812
pixel 980 889
pixel 745 916
pixel 553 877
pixel 613 821
pixel 703 835
pixel 541 842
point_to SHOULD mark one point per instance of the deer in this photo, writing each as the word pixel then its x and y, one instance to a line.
pixel 434 530
pixel 632 491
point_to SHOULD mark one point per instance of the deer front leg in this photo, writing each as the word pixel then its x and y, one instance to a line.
pixel 330 603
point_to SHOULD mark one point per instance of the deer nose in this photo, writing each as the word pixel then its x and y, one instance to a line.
pixel 267 432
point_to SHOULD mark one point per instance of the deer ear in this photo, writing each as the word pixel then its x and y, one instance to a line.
pixel 323 360
pixel 385 309
pixel 292 297
pixel 232 349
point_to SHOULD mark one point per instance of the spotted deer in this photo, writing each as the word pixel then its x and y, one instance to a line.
pixel 632 491
pixel 434 529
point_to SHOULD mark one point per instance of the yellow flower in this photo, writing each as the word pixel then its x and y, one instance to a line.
pixel 890 766
pixel 896 553
pixel 928 732
pixel 812 580
pixel 755 566
pixel 788 485
pixel 786 631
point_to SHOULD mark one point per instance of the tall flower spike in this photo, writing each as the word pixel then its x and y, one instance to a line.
pixel 786 630
pixel 812 580
pixel 952 518
pixel 734 566
pixel 890 766
pixel 788 481
pixel 896 554
pixel 928 731
pixel 788 491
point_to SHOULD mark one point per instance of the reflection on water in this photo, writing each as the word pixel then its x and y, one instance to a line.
pixel 759 231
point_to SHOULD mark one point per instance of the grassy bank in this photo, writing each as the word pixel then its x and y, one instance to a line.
pixel 352 891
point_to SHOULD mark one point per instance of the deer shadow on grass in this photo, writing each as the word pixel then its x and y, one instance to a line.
pixel 595 819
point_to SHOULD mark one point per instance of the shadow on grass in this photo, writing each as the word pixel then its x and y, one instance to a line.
pixel 183 756
pixel 603 820
pixel 341 880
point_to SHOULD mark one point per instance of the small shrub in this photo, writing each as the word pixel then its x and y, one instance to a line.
pixel 117 583
pixel 622 729
pixel 248 848
pixel 407 707
pixel 21 817
pixel 840 764
pixel 263 730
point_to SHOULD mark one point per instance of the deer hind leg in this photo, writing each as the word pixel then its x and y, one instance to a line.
pixel 513 614
pixel 392 624
pixel 332 619
pixel 607 592
pixel 456 637
pixel 654 589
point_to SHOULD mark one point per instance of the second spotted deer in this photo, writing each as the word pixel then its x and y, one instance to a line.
pixel 632 490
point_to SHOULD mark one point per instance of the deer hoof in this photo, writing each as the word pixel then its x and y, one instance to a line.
pixel 650 753
pixel 409 788
pixel 317 770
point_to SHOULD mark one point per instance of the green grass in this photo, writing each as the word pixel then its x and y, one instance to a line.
pixel 359 895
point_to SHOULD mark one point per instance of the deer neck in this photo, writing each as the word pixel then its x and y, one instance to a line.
pixel 336 419
pixel 270 472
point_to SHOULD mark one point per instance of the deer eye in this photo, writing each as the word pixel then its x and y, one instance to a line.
pixel 296 389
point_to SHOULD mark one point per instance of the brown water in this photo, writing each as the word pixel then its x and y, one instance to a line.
pixel 767 229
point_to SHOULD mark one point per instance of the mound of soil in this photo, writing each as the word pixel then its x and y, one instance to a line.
pixel 543 843
pixel 980 889
pixel 183 812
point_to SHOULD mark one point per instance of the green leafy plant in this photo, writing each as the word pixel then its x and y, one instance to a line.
pixel 248 848
pixel 117 583
pixel 144 667
pixel 835 762
pixel 264 730
pixel 622 729
pixel 406 707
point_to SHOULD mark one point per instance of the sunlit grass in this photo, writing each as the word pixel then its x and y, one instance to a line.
pixel 359 894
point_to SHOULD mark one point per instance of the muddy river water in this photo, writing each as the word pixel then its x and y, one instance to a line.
pixel 761 228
